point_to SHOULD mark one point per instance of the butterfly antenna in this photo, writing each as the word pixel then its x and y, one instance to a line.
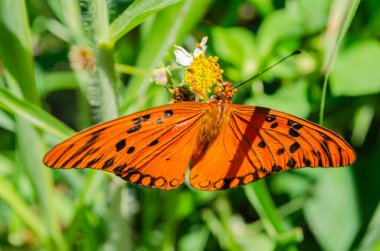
pixel 296 52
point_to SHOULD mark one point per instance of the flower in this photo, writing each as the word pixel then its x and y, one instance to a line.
pixel 160 76
pixel 184 58
pixel 82 58
pixel 201 72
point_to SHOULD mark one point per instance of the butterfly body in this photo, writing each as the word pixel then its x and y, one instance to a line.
pixel 216 117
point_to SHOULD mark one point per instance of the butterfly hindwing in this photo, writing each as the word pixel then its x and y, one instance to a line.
pixel 257 142
pixel 150 148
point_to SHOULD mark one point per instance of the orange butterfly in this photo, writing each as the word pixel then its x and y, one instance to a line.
pixel 227 145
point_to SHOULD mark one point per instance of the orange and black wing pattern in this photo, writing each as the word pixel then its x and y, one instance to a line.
pixel 150 148
pixel 258 142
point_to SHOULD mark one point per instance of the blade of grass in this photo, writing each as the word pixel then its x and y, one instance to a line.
pixel 224 210
pixel 216 228
pixel 34 115
pixel 15 46
pixel 9 196
pixel 260 199
pixel 6 121
pixel 16 50
pixel 341 15
pixel 135 14
pixel 370 241
pixel 29 158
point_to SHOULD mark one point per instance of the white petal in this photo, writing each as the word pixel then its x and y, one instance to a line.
pixel 201 48
pixel 182 56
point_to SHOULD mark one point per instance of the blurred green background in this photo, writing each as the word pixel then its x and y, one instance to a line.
pixel 69 64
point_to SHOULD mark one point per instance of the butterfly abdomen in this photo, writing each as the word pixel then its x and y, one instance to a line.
pixel 216 117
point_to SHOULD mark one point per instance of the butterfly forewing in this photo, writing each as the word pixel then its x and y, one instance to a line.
pixel 258 142
pixel 294 141
pixel 151 148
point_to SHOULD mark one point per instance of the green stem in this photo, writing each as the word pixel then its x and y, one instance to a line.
pixel 107 79
pixel 336 35
pixel 262 201
pixel 323 98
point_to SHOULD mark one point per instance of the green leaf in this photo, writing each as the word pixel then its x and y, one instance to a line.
pixel 277 26
pixel 291 98
pixel 15 46
pixel 332 212
pixel 264 7
pixel 135 14
pixel 237 46
pixel 35 115
pixel 357 70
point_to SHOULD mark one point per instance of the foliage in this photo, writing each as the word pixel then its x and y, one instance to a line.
pixel 49 84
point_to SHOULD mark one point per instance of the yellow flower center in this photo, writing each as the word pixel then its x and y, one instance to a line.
pixel 202 74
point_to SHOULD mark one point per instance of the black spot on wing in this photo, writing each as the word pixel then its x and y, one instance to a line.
pixel 168 113
pixel 131 149
pixel 108 163
pixel 136 121
pixel 154 142
pixel 94 161
pixel 261 144
pixel 291 163
pixel 280 151
pixel 134 128
pixel 294 147
pixel 145 117
pixel 293 133
pixel 120 145
pixel 306 161
pixel 294 124
pixel 274 125
pixel 276 168
pixel 270 118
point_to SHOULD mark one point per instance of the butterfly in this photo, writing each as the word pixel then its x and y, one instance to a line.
pixel 227 145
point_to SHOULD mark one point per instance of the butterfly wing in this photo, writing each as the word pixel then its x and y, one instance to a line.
pixel 257 142
pixel 150 148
